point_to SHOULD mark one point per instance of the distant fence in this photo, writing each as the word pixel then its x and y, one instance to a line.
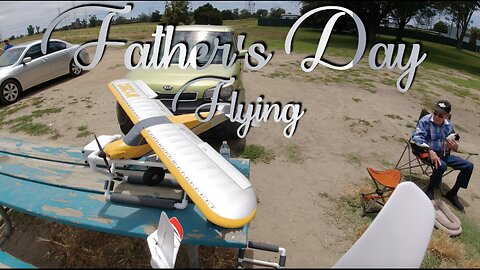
pixel 436 38
pixel 408 33
pixel 276 22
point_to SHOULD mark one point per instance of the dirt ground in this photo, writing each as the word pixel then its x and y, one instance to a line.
pixel 347 126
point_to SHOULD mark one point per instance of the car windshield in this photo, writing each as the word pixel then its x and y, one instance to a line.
pixel 10 56
pixel 192 38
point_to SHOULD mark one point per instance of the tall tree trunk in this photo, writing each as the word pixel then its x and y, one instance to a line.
pixel 401 27
pixel 371 30
pixel 460 40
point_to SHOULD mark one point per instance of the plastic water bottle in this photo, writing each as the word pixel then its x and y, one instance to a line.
pixel 225 150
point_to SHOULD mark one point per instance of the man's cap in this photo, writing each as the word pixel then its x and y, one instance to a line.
pixel 443 106
pixel 5 40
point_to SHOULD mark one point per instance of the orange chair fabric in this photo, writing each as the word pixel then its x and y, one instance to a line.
pixel 388 178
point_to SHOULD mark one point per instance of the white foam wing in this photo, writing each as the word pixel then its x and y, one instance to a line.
pixel 398 236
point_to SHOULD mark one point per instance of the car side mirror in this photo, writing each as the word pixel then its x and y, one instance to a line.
pixel 27 59
pixel 242 53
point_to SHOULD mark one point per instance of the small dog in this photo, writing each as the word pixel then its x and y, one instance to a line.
pixel 453 136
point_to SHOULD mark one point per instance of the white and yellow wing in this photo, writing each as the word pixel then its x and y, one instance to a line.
pixel 223 194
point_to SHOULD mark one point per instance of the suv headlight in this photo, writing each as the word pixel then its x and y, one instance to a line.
pixel 225 92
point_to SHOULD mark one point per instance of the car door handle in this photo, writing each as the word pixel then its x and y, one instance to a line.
pixel 65 53
pixel 44 60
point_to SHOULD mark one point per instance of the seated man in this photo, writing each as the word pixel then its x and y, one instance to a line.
pixel 433 129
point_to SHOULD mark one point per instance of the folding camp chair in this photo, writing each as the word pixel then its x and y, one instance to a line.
pixel 418 156
pixel 385 183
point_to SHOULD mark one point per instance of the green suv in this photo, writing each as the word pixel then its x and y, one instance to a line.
pixel 166 82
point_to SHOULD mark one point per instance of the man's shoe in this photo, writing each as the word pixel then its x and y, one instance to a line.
pixel 429 194
pixel 454 200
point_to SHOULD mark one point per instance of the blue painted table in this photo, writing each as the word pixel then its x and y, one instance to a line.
pixel 53 182
pixel 8 261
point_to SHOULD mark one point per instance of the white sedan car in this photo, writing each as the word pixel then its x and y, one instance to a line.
pixel 24 66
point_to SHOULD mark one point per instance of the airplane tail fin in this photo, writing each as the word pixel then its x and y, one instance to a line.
pixel 165 242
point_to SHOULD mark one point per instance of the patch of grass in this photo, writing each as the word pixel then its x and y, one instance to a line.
pixel 388 81
pixel 386 164
pixel 431 260
pixel 40 113
pixel 115 66
pixel 277 74
pixel 25 123
pixel 367 85
pixel 37 101
pixel 358 125
pixel 354 158
pixel 55 135
pixel 257 153
pixel 324 195
pixel 470 236
pixel 11 110
pixel 348 212
pixel 393 116
pixel 468 83
pixel 34 129
pixel 83 131
pixel 459 252
pixel 445 247
pixel 356 99
pixel 295 154
pixel 459 128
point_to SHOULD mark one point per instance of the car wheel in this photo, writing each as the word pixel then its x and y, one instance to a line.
pixel 10 91
pixel 74 69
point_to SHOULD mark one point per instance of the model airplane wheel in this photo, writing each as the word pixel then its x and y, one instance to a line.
pixel 153 176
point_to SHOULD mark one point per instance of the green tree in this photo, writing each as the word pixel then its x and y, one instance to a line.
pixel 441 27
pixel 236 14
pixel 207 14
pixel 37 29
pixel 30 30
pixel 474 35
pixel 155 17
pixel 461 13
pixel 276 13
pixel 120 20
pixel 261 13
pixel 245 14
pixel 370 12
pixel 143 17
pixel 176 12
pixel 227 14
pixel 92 21
pixel 403 11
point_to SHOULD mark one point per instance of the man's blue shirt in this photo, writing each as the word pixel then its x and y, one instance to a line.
pixel 7 47
pixel 430 133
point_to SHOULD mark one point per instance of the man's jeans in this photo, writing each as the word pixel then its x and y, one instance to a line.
pixel 456 163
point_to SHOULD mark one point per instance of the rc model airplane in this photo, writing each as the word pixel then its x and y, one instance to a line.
pixel 222 193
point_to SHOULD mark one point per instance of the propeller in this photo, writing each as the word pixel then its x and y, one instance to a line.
pixel 102 153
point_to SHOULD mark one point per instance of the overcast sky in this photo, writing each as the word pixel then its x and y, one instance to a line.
pixel 16 16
